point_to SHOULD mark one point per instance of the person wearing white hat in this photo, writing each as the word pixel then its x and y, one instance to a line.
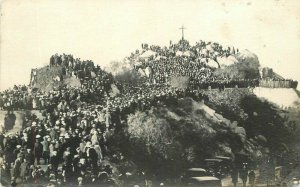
pixel 88 144
pixel 67 136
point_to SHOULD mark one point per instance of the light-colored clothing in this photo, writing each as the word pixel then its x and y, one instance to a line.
pixel 94 139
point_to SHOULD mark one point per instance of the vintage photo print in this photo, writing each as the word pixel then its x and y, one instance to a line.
pixel 149 93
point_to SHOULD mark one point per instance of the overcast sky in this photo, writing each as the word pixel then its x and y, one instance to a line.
pixel 104 31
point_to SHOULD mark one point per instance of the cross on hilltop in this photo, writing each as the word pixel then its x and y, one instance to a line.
pixel 182 31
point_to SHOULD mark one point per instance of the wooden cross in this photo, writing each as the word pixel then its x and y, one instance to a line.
pixel 182 30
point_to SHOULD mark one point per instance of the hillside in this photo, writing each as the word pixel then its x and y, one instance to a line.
pixel 186 127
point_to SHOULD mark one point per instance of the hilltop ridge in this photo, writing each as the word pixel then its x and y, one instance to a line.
pixel 194 65
pixel 66 71
pixel 204 62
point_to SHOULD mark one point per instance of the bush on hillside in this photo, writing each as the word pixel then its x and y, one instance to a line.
pixel 125 73
pixel 247 67
pixel 266 120
pixel 166 140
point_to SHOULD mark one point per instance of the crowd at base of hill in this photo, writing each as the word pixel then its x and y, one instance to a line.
pixel 75 136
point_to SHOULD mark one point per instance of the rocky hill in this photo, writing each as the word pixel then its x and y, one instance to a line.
pixel 186 127
pixel 171 107
pixel 52 78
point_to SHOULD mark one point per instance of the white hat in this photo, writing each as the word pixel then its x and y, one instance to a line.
pixel 82 160
pixel 38 136
pixel 88 144
pixel 67 135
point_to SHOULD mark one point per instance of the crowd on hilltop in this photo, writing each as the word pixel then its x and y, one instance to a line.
pixel 197 53
pixel 95 85
pixel 85 70
pixel 182 59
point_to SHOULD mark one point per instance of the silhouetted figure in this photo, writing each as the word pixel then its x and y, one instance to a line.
pixel 252 177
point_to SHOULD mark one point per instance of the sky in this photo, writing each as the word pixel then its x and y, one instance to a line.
pixel 105 31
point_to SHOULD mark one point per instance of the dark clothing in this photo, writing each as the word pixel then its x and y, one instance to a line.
pixel 38 150
pixel 251 178
pixel 54 160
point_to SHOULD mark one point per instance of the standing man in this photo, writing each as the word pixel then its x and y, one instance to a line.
pixel 38 150
pixel 244 174
pixel 252 177
pixel 234 176
pixel 46 151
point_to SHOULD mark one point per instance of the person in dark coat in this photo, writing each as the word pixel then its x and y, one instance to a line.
pixel 46 151
pixel 54 160
pixel 252 177
pixel 67 169
pixel 29 156
pixel 234 176
pixel 244 175
pixel 91 154
pixel 1 141
pixel 38 150
pixel 7 122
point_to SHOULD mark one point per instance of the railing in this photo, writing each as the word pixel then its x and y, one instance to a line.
pixel 278 83
pixel 220 85
pixel 245 84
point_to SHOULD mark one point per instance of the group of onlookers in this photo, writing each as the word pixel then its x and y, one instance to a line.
pixel 197 62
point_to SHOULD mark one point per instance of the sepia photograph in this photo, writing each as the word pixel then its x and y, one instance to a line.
pixel 149 93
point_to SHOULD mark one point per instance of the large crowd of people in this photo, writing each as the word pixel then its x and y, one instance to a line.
pixel 76 67
pixel 95 85
pixel 182 59
pixel 68 144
